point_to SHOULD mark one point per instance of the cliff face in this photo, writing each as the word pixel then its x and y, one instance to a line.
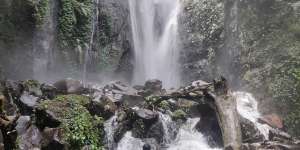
pixel 255 42
pixel 270 54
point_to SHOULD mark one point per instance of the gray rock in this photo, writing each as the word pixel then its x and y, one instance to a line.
pixel 153 86
pixel 49 91
pixel 23 124
pixel 69 86
pixel 27 103
pixel 250 133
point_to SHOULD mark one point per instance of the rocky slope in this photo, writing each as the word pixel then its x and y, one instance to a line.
pixel 66 115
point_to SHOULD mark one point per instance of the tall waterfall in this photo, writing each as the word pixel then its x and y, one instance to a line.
pixel 154 28
pixel 43 42
pixel 90 46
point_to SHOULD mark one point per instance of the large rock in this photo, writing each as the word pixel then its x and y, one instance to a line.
pixel 69 86
pixel 272 120
pixel 46 118
pixel 23 124
pixel 31 139
pixel 153 87
pixel 106 106
pixel 49 91
pixel 209 126
pixel 250 132
pixel 27 103
pixel 33 87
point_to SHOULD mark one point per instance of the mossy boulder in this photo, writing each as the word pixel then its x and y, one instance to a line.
pixel 68 112
pixel 33 87
pixel 179 115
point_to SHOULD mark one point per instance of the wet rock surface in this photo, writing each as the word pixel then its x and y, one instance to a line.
pixel 51 114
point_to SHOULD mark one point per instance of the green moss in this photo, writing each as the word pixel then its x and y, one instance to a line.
pixel 179 114
pixel 80 128
pixel 164 105
pixel 74 24
pixel 41 10
pixel 79 99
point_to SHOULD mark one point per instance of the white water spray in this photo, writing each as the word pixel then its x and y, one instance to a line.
pixel 90 46
pixel 43 42
pixel 154 27
pixel 190 139
pixel 247 107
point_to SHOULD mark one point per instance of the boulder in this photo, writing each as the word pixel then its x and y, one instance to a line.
pixel 104 107
pixel 27 103
pixel 46 118
pixel 153 87
pixel 69 86
pixel 13 90
pixel 209 127
pixel 49 91
pixel 250 133
pixel 1 141
pixel 33 87
pixel 272 120
pixel 23 124
pixel 52 139
pixel 31 139
pixel 145 114
pixel 201 84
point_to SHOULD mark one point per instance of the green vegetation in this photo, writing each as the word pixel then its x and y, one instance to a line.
pixel 41 10
pixel 164 105
pixel 271 56
pixel 179 114
pixel 74 23
pixel 79 127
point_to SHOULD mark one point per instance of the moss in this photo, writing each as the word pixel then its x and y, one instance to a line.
pixel 74 24
pixel 164 105
pixel 179 114
pixel 80 128
pixel 41 10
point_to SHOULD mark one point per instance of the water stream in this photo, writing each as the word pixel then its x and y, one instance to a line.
pixel 247 107
pixel 43 42
pixel 187 138
pixel 154 28
pixel 90 46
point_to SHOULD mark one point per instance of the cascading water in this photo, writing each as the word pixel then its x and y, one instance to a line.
pixel 109 127
pixel 190 139
pixel 247 107
pixel 43 43
pixel 187 138
pixel 90 46
pixel 154 27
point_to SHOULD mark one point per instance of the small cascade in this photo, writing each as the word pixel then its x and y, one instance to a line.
pixel 90 46
pixel 169 128
pixel 128 142
pixel 247 107
pixel 43 43
pixel 154 26
pixel 190 139
pixel 109 127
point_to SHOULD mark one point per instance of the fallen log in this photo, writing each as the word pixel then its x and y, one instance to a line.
pixel 224 105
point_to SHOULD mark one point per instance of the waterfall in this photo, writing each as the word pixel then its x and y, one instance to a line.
pixel 154 26
pixel 190 139
pixel 109 128
pixel 247 107
pixel 187 138
pixel 90 46
pixel 43 42
pixel 168 127
pixel 128 142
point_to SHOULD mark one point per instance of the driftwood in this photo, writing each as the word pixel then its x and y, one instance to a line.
pixel 225 107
